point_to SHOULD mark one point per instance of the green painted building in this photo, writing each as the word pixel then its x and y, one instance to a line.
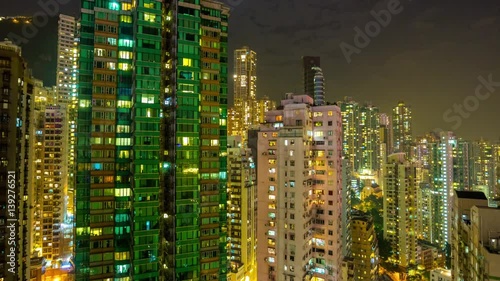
pixel 151 141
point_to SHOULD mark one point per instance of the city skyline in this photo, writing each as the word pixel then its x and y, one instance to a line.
pixel 416 58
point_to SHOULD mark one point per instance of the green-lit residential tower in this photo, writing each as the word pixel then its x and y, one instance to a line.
pixel 151 141
pixel 117 218
pixel 195 141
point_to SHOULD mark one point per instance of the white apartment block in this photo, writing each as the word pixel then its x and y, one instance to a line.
pixel 299 200
pixel 67 64
pixel 475 238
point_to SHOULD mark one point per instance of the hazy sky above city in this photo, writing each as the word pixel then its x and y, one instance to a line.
pixel 430 54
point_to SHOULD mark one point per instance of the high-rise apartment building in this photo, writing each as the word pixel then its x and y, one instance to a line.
pixel 195 139
pixel 475 239
pixel 362 136
pixel 117 216
pixel 245 88
pixel 319 86
pixel 300 192
pixel 67 64
pixel 264 104
pixel 16 132
pixel 350 128
pixel 402 128
pixel 308 63
pixel 441 177
pixel 346 207
pixel 147 146
pixel 369 138
pixel 241 211
pixel 461 165
pixel 67 92
pixel 400 208
pixel 43 97
pixel 482 167
pixel 364 247
pixel 426 201
pixel 386 142
pixel 234 122
pixel 54 167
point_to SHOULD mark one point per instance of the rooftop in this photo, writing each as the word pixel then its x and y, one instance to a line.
pixel 471 195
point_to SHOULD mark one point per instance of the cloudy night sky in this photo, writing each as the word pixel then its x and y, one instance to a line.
pixel 430 55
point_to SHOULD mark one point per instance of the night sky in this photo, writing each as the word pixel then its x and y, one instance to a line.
pixel 430 54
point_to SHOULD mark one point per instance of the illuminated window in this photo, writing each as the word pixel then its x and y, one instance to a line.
pixel 111 41
pixel 124 104
pixel 148 98
pixel 125 55
pixel 111 65
pixel 126 6
pixel 330 113
pixel 84 103
pixel 125 18
pixel 279 118
pixel 318 133
pixel 96 232
pixel 149 17
pixel 126 43
pixel 124 66
pixel 187 62
pixel 120 256
pixel 122 192
pixel 114 6
pixel 123 141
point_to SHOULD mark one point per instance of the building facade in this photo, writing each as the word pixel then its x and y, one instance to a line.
pixel 67 63
pixel 402 128
pixel 370 138
pixel 319 86
pixel 475 244
pixel 194 141
pixel 245 87
pixel 364 247
pixel 299 192
pixel 308 62
pixel 400 209
pixel 241 211
pixel 16 130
